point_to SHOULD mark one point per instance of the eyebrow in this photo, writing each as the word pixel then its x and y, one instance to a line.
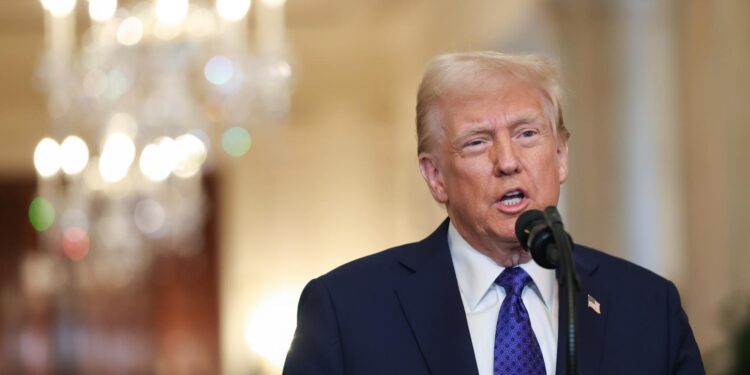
pixel 481 128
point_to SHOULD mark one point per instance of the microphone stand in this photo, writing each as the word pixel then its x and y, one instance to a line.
pixel 570 280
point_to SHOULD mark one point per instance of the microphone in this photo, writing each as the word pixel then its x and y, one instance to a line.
pixel 536 237
pixel 543 234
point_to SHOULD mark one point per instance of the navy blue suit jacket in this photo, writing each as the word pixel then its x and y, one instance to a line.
pixel 400 312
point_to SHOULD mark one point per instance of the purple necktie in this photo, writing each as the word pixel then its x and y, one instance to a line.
pixel 516 349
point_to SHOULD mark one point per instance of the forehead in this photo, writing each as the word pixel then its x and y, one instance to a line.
pixel 501 101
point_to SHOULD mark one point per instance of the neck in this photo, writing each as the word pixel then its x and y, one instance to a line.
pixel 503 252
pixel 505 257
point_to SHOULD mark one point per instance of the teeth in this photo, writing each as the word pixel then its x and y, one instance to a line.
pixel 511 201
pixel 513 193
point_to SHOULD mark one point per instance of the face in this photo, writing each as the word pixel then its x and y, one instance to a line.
pixel 496 158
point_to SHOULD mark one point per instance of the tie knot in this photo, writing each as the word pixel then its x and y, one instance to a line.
pixel 513 280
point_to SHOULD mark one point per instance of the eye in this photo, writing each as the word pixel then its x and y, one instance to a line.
pixel 528 133
pixel 475 144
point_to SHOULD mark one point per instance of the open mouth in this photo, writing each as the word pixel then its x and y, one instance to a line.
pixel 512 198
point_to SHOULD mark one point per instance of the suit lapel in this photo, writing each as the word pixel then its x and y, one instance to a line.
pixel 432 305
pixel 591 325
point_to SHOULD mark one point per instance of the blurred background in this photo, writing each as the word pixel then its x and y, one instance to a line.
pixel 172 173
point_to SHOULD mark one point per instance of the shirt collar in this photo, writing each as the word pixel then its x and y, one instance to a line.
pixel 476 272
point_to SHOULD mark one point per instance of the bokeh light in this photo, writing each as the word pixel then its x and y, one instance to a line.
pixel 149 216
pixel 59 8
pixel 191 153
pixel 154 163
pixel 219 70
pixel 171 12
pixel 232 10
pixel 117 155
pixel 117 83
pixel 203 136
pixel 274 3
pixel 236 141
pixel 47 157
pixel 270 328
pixel 281 69
pixel 75 155
pixel 102 10
pixel 94 83
pixel 75 243
pixel 130 31
pixel 41 214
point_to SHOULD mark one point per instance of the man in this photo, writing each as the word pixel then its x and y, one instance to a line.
pixel 468 299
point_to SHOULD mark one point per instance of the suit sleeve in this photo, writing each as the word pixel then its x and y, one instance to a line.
pixel 685 358
pixel 316 347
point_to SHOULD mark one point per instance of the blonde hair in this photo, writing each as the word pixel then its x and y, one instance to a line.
pixel 456 73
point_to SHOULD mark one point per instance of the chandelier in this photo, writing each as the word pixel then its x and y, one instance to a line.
pixel 137 108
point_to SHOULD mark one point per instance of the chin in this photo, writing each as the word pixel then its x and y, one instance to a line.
pixel 505 234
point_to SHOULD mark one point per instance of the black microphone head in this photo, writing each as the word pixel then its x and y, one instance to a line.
pixel 525 223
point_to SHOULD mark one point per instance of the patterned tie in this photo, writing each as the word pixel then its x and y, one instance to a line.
pixel 516 349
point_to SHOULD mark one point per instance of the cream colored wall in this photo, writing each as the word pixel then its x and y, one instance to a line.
pixel 716 98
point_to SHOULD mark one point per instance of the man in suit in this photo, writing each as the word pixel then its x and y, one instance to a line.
pixel 468 299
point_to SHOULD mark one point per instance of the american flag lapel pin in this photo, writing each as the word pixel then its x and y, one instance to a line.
pixel 593 304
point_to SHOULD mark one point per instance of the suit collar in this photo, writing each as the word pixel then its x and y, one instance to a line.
pixel 432 305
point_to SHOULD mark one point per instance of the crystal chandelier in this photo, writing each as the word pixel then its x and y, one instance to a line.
pixel 137 110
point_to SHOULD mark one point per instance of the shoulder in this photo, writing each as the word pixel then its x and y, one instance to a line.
pixel 376 268
pixel 625 279
pixel 606 265
pixel 392 265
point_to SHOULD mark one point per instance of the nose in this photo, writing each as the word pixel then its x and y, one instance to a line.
pixel 506 159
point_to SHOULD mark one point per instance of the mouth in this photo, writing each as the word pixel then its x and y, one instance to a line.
pixel 513 201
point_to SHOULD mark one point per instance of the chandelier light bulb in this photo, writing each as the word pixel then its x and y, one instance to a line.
pixel 117 155
pixel 59 8
pixel 232 10
pixel 171 12
pixel 191 153
pixel 102 10
pixel 154 164
pixel 75 155
pixel 47 157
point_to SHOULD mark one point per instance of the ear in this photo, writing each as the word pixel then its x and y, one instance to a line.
pixel 428 167
pixel 562 160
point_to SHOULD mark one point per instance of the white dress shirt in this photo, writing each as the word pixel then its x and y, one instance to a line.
pixel 482 298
